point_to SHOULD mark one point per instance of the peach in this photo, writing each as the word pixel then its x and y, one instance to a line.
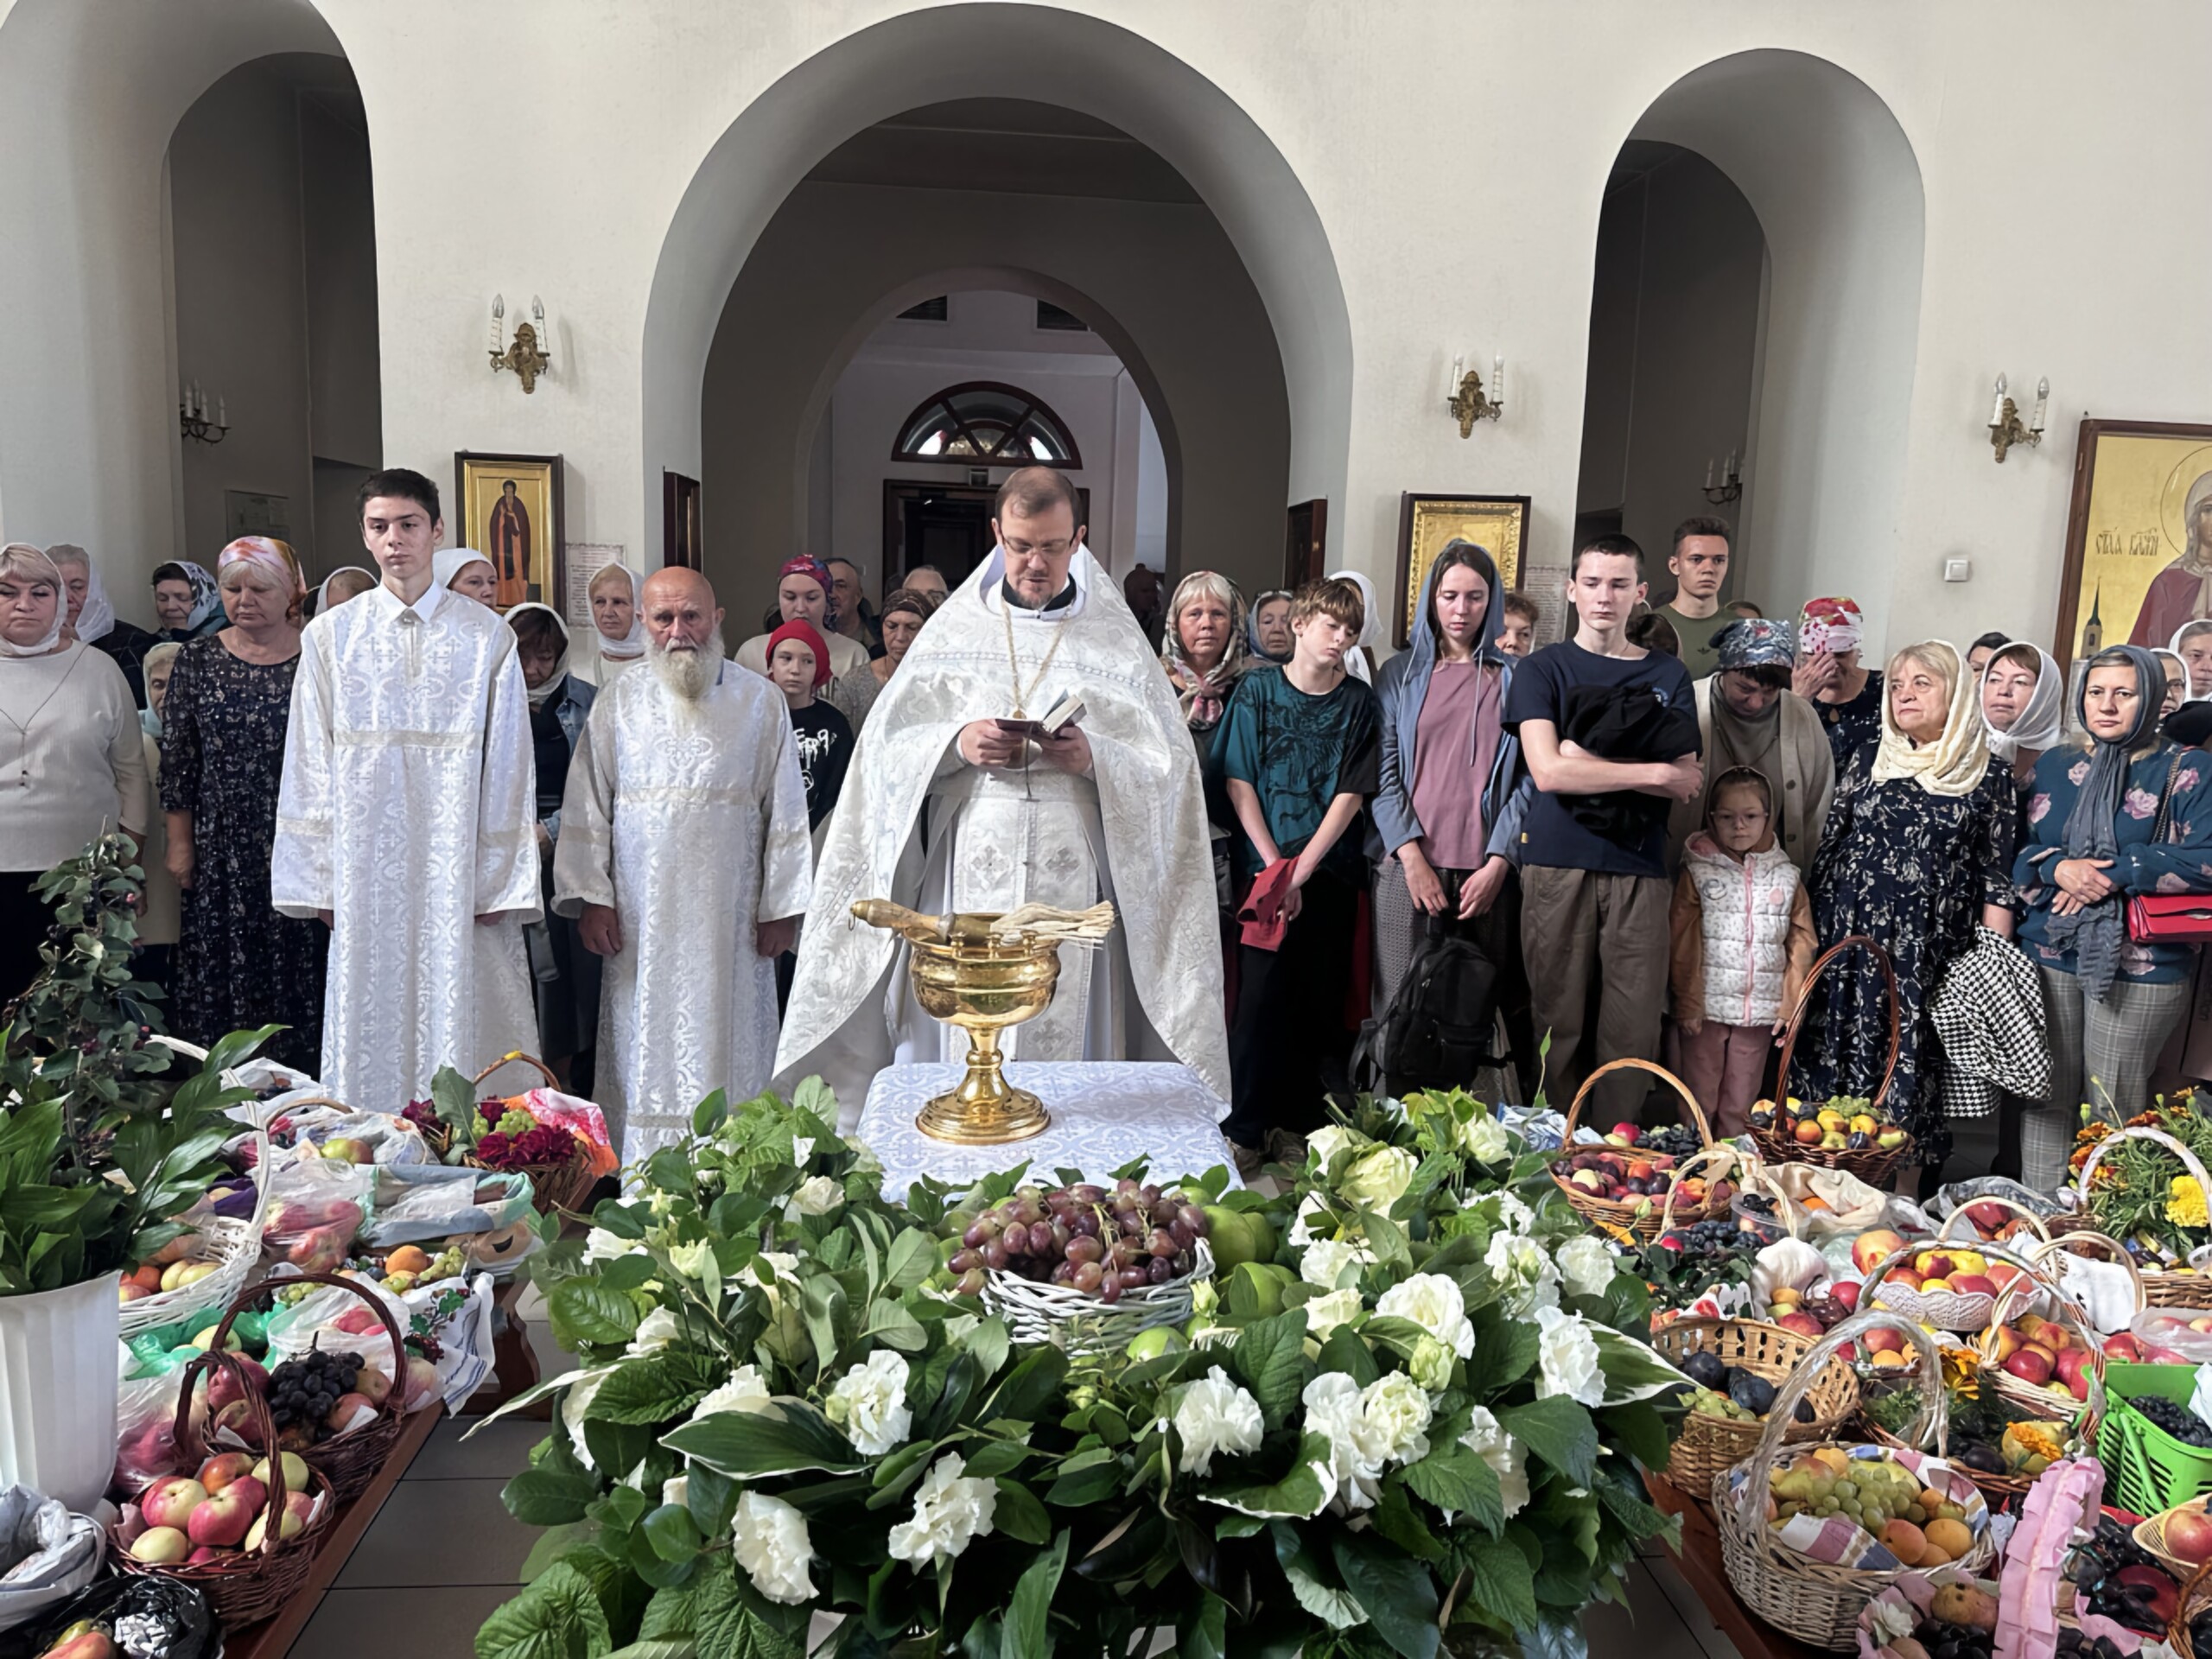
pixel 2008 1343
pixel 168 1503
pixel 1905 1540
pixel 1952 1537
pixel 1973 1284
pixel 223 1468
pixel 1810 1134
pixel 1886 1338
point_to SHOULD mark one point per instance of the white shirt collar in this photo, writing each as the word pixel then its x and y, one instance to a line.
pixel 424 608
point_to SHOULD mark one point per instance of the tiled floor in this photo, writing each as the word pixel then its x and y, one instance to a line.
pixel 444 1553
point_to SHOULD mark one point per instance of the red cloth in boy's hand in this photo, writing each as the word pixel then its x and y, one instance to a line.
pixel 1261 911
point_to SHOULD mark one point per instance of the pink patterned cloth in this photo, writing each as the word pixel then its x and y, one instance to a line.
pixel 2065 1498
pixel 273 556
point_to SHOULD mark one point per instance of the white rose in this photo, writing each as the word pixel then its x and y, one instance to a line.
pixel 1483 1138
pixel 1215 1415
pixel 1335 1411
pixel 745 1391
pixel 656 1331
pixel 1330 1139
pixel 870 1403
pixel 1333 1263
pixel 1515 1215
pixel 769 1539
pixel 600 1245
pixel 1395 1415
pixel 817 1195
pixel 1507 1459
pixel 766 1269
pixel 1311 1205
pixel 950 1511
pixel 1586 1262
pixel 1324 1313
pixel 676 1490
pixel 1526 1278
pixel 1379 1179
pixel 1568 1356
pixel 1432 1302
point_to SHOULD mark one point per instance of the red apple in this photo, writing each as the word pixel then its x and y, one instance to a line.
pixel 1629 1132
pixel 1904 1276
pixel 2031 1365
pixel 1884 1339
pixel 169 1501
pixel 1973 1284
pixel 221 1521
pixel 2072 1372
pixel 1987 1215
pixel 2188 1535
pixel 2122 1345
pixel 2000 1273
pixel 1846 1293
pixel 1802 1323
pixel 422 1385
pixel 225 1467
pixel 350 1411
pixel 225 1385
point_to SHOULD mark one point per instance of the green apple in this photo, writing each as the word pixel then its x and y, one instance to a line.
pixel 1160 1339
pixel 1237 1236
pixel 1264 1282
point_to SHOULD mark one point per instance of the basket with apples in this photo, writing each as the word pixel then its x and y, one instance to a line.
pixel 199 1271
pixel 2048 1368
pixel 1951 1286
pixel 1635 1194
pixel 1854 1133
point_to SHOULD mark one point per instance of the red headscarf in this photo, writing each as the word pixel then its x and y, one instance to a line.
pixel 803 633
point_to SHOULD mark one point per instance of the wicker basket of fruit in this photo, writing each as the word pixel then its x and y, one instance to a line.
pixel 2116 1208
pixel 1738 1364
pixel 2046 1368
pixel 1763 1512
pixel 248 1541
pixel 2189 1631
pixel 1086 1268
pixel 2180 1537
pixel 505 1137
pixel 197 1274
pixel 1849 1133
pixel 1618 1188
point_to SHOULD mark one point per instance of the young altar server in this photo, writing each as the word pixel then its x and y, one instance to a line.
pixel 684 853
pixel 406 819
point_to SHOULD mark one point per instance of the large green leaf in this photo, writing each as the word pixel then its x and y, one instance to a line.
pixel 547 1497
pixel 1019 1515
pixel 754 1445
pixel 1026 1633
pixel 1633 1370
pixel 1300 1493
pixel 649 1390
pixel 1500 1581
pixel 1314 1581
pixel 1269 1358
pixel 734 1623
pixel 1396 1590
pixel 1457 1482
pixel 586 1312
pixel 558 1617
pixel 1558 1430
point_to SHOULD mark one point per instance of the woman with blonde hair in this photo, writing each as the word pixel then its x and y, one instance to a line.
pixel 1917 853
pixel 618 631
pixel 239 964
pixel 92 618
pixel 1204 650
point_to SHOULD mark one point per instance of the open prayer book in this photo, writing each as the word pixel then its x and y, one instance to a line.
pixel 1067 710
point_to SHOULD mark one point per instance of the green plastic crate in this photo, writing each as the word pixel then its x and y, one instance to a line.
pixel 2149 1469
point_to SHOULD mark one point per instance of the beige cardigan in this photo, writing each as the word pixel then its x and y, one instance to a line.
pixel 77 768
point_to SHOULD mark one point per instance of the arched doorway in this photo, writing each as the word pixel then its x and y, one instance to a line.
pixel 735 213
pixel 1823 168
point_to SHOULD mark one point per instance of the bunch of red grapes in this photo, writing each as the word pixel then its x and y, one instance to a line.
pixel 1085 1237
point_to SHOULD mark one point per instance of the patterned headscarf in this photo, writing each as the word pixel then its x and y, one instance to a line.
pixel 274 556
pixel 1755 642
pixel 1834 625
pixel 814 571
pixel 1204 696
pixel 1957 761
pixel 206 597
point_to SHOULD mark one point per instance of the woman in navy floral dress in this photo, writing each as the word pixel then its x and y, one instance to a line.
pixel 1917 853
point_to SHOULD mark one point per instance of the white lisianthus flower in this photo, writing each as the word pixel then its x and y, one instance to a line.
pixel 676 1490
pixel 1333 1263
pixel 1483 1138
pixel 1213 1414
pixel 691 1260
pixel 1586 1263
pixel 656 1331
pixel 802 1149
pixel 1395 1415
pixel 1432 1302
pixel 817 1195
pixel 870 1403
pixel 1567 1354
pixel 1324 1313
pixel 1335 1411
pixel 1507 1459
pixel 745 1391
pixel 1526 1277
pixel 1430 1364
pixel 600 1245
pixel 1330 1139
pixel 1517 1216
pixel 950 1511
pixel 769 1539
pixel 1380 1178
pixel 574 1403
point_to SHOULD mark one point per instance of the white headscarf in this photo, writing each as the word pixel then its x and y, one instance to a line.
pixel 322 590
pixel 1370 633
pixel 2176 675
pixel 631 646
pixel 2198 625
pixel 96 620
pixel 449 561
pixel 1957 761
pixel 2043 722
pixel 539 694
pixel 40 647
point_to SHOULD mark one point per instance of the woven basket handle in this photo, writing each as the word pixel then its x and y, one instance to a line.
pixel 395 1402
pixel 2070 1316
pixel 1631 1064
pixel 1722 1158
pixel 513 1057
pixel 1943 1233
pixel 2177 1630
pixel 1804 1003
pixel 265 1424
pixel 2189 1160
pixel 2070 1245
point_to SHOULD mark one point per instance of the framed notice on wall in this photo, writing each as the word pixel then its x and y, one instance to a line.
pixel 1426 523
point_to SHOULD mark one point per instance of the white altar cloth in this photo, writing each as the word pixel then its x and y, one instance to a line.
pixel 1105 1113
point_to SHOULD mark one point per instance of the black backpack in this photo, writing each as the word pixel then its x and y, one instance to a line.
pixel 1438 1030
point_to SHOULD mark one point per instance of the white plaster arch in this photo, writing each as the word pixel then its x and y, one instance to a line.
pixel 977 48
pixel 89 97
pixel 1830 173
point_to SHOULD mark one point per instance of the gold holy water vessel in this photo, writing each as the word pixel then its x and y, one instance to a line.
pixel 983 982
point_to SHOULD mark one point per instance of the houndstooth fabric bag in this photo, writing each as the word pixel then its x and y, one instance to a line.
pixel 1988 1011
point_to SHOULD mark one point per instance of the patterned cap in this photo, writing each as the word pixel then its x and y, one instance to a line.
pixel 1755 642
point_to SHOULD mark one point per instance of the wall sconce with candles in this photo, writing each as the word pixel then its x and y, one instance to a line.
pixel 2004 428
pixel 526 357
pixel 1463 394
pixel 1731 485
pixel 192 415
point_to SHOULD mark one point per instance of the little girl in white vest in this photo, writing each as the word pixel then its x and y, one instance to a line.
pixel 1743 943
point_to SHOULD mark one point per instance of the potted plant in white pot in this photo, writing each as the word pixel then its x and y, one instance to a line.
pixel 96 1157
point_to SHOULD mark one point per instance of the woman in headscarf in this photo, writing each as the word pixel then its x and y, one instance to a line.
pixel 346 582
pixel 1847 696
pixel 466 571
pixel 2192 643
pixel 1359 661
pixel 238 962
pixel 1203 650
pixel 72 763
pixel 1448 774
pixel 187 602
pixel 1268 633
pixel 564 977
pixel 1749 717
pixel 2023 707
pixel 618 632
pixel 802 595
pixel 853 693
pixel 2126 811
pixel 92 619
pixel 1917 853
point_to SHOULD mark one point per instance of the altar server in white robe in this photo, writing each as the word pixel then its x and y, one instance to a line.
pixel 406 818
pixel 685 854
pixel 944 811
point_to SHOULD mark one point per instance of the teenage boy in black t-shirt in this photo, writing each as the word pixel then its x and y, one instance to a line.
pixel 1593 917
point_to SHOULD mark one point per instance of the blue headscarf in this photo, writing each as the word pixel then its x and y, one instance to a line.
pixel 1402 685
pixel 2096 932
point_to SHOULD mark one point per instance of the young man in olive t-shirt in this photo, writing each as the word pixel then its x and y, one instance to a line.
pixel 1700 565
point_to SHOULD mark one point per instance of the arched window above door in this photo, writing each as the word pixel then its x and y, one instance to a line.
pixel 984 421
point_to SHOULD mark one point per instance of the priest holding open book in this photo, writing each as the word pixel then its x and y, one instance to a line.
pixel 1028 751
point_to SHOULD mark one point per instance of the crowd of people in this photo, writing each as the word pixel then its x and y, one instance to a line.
pixel 417 828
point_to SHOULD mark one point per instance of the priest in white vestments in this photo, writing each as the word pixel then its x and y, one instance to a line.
pixel 406 818
pixel 943 810
pixel 685 854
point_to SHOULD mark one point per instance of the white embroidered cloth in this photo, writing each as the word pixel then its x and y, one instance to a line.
pixel 1105 1113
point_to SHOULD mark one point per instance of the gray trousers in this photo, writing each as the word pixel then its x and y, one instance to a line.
pixel 2100 1053
pixel 1591 940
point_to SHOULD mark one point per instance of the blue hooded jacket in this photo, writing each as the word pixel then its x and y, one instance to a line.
pixel 1402 687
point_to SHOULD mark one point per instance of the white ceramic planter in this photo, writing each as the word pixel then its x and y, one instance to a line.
pixel 58 1387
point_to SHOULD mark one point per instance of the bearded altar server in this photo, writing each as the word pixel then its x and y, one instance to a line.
pixel 406 818
pixel 946 807
pixel 684 855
